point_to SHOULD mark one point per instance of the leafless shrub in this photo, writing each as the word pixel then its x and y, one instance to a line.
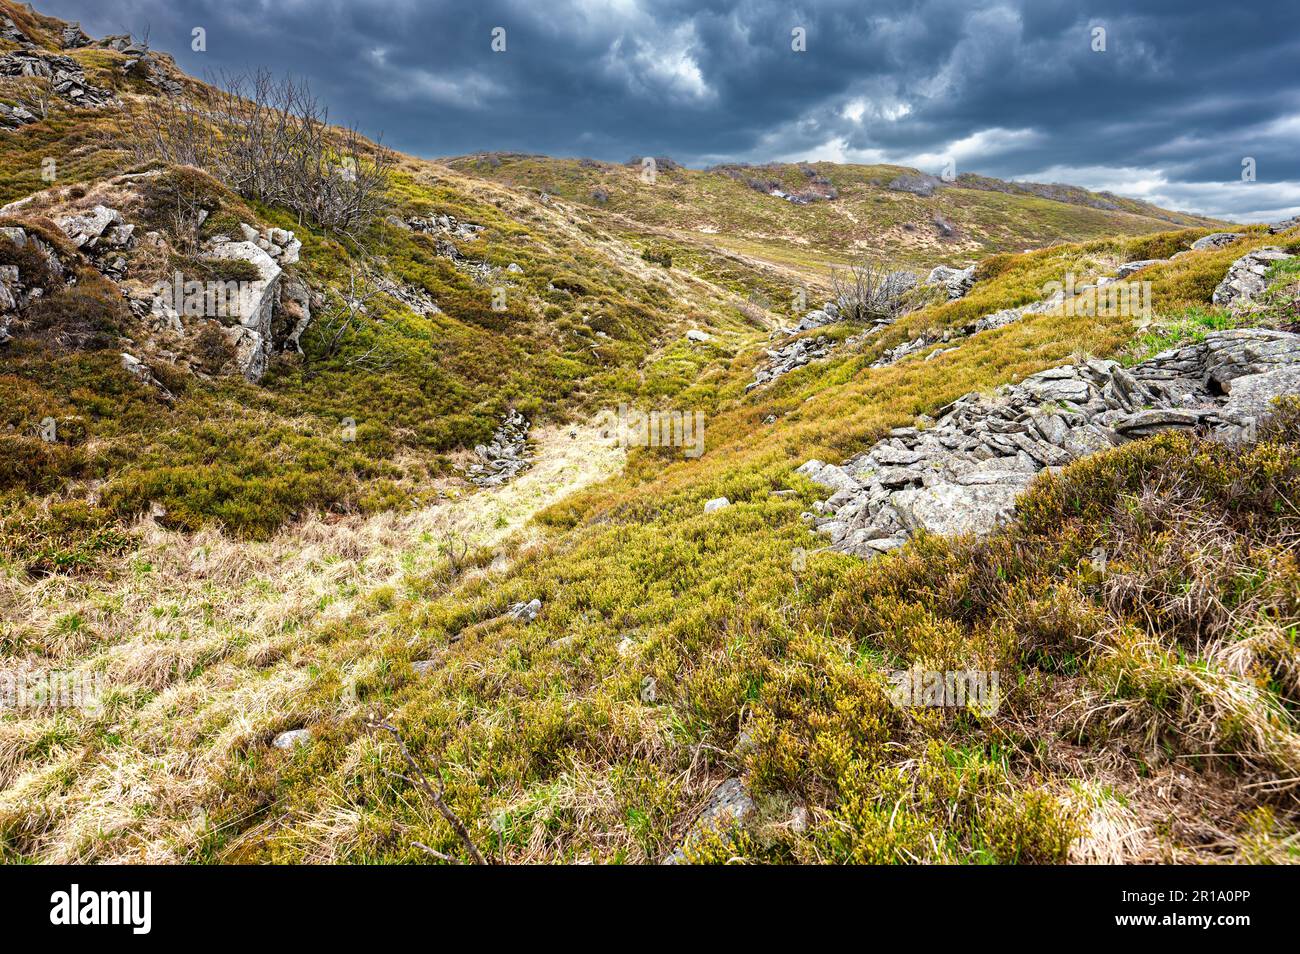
pixel 270 140
pixel 869 292
pixel 341 315
pixel 33 93
pixel 455 548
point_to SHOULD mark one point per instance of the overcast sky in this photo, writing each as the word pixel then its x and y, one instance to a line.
pixel 1183 92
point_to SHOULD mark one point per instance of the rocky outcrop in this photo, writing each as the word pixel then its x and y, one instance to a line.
pixel 1215 240
pixel 921 185
pixel 15 116
pixel 281 244
pixel 956 281
pixel 250 338
pixel 73 37
pixel 67 78
pixel 964 473
pixel 293 315
pixel 1285 225
pixel 416 299
pixel 102 236
pixel 1246 277
pixel 785 359
pixel 800 351
pixel 17 288
pixel 506 456
pixel 141 371
pixel 9 31
pixel 444 225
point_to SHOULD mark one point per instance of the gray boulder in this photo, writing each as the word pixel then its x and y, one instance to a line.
pixel 730 805
pixel 1246 277
pixel 1128 268
pixel 956 281
pixel 292 739
pixel 251 336
pixel 1215 240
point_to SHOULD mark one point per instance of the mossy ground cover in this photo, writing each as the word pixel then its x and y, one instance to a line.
pixel 1176 662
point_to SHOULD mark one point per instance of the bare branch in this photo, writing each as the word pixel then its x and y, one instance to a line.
pixel 435 795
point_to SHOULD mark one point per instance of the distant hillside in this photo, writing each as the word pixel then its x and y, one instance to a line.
pixel 808 215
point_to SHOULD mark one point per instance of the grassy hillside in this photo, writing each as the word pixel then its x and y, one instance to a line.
pixel 731 208
pixel 227 566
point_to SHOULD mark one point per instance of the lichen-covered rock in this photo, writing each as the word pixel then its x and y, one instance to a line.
pixel 1246 277
pixel 730 805
pixel 67 78
pixel 292 739
pixel 85 229
pixel 140 370
pixel 1215 240
pixel 251 336
pixel 962 475
pixel 1128 268
pixel 525 612
pixel 956 281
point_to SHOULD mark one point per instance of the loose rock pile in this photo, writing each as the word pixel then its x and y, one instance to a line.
pixel 66 77
pixel 964 473
pixel 785 359
pixel 102 236
pixel 506 456
pixel 444 225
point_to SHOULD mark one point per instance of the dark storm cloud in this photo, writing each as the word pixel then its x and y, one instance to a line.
pixel 1183 92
